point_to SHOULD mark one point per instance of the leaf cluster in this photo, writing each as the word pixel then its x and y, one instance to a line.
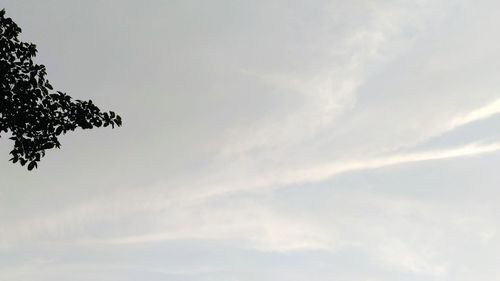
pixel 33 113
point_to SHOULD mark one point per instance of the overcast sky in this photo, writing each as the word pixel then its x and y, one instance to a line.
pixel 272 140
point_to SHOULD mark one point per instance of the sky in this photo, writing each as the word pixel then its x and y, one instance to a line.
pixel 263 140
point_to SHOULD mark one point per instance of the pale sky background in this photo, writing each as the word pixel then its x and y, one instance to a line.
pixel 263 140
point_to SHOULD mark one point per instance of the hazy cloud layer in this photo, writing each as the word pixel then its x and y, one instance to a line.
pixel 263 140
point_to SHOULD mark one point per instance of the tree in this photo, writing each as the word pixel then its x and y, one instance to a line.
pixel 33 113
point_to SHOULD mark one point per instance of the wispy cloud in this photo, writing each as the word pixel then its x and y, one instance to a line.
pixel 158 199
pixel 252 225
pixel 485 112
pixel 281 178
pixel 329 90
pixel 325 171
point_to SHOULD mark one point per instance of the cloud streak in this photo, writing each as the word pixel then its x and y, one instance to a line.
pixel 325 171
pixel 478 114
pixel 154 200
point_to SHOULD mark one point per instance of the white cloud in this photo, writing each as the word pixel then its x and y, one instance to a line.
pixel 325 171
pixel 254 226
pixel 487 111
pixel 330 89
pixel 160 198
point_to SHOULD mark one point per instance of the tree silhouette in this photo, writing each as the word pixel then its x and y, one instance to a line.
pixel 30 110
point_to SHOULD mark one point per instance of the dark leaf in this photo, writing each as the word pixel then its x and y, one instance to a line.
pixel 31 165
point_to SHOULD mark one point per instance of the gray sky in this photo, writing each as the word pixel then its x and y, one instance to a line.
pixel 263 140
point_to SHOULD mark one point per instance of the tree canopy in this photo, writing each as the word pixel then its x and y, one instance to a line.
pixel 30 110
